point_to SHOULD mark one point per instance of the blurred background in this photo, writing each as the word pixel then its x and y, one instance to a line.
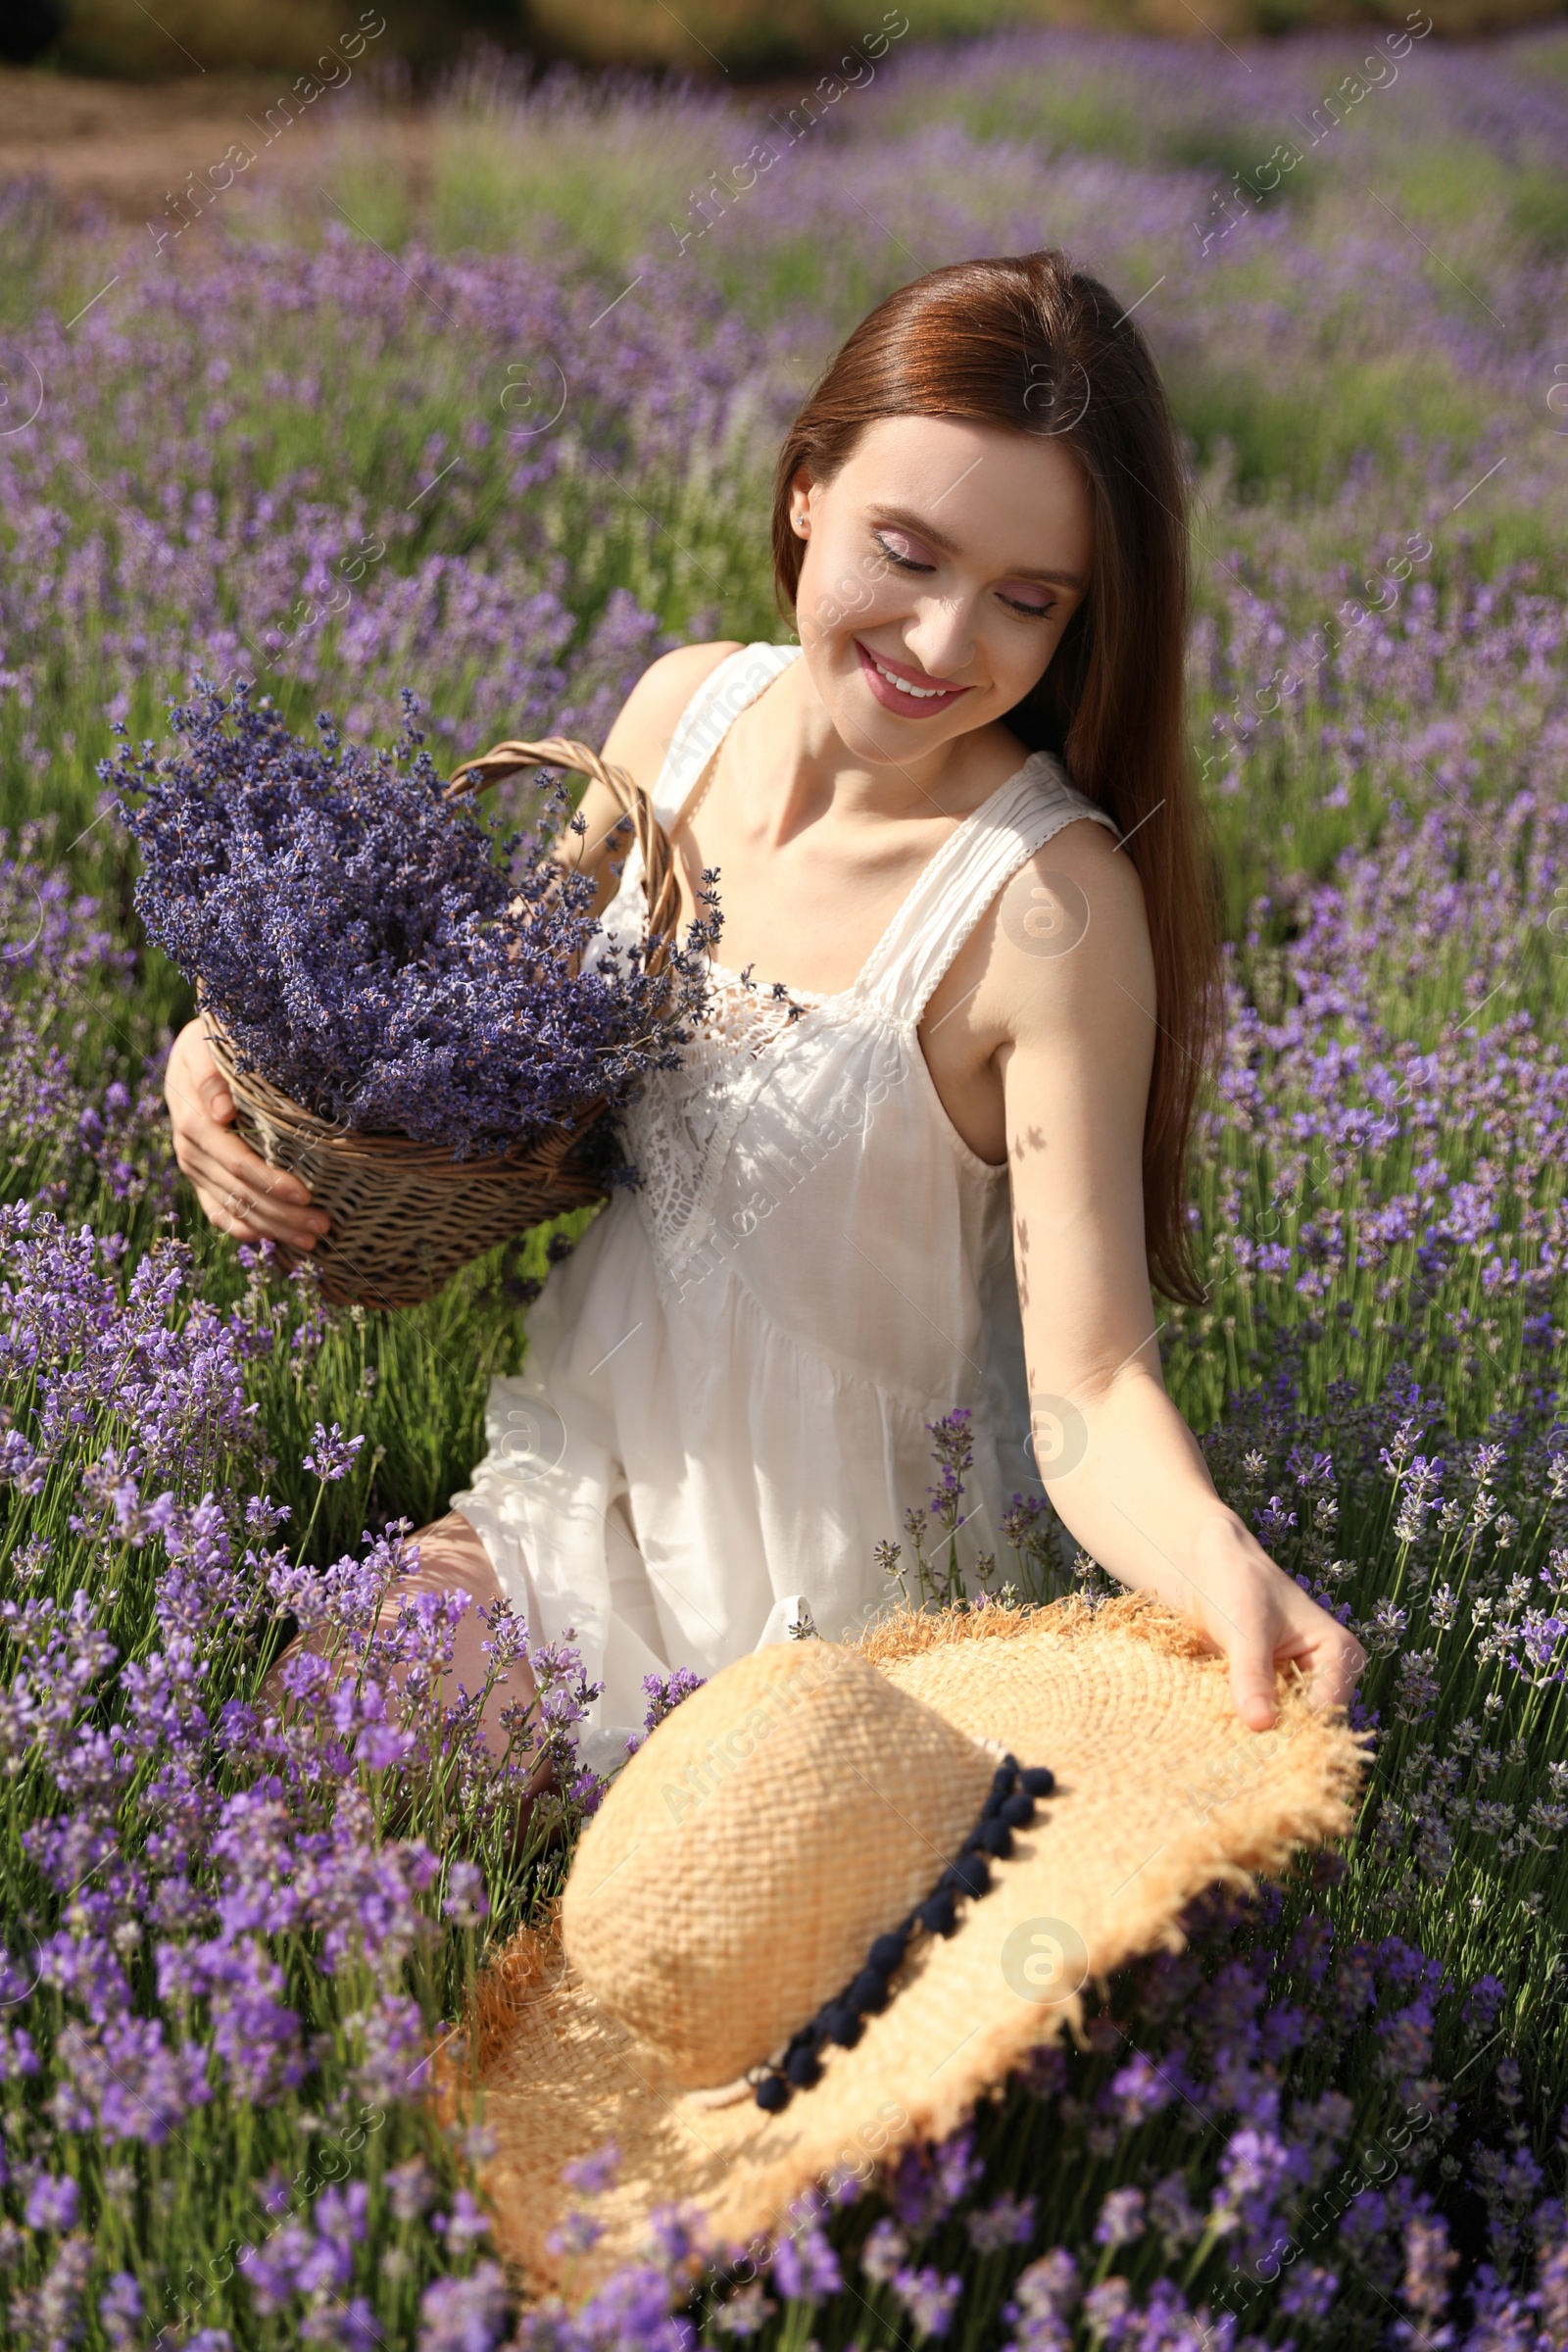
pixel 505 305
pixel 121 39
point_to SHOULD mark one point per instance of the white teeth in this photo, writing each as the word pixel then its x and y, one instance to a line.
pixel 921 694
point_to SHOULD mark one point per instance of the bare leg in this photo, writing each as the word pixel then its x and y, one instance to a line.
pixel 454 1559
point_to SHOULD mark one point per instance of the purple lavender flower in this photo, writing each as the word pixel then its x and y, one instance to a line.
pixel 665 1693
pixel 577 2233
pixel 930 2179
pixel 1043 2298
pixel 1121 2217
pixel 1009 2221
pixel 466 1900
pixel 1172 2213
pixel 411 2187
pixel 1551 2275
pixel 929 2298
pixel 470 2313
pixel 52 2203
pixel 955 1453
pixel 367 950
pixel 806 2268
pixel 120 2310
pixel 634 2307
pixel 592 2174
pixel 1482 2003
pixel 746 2312
pixel 884 2250
pixel 333 1457
pixel 1309 2291
pixel 464 2224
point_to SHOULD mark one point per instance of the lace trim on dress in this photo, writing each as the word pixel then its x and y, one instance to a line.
pixel 680 1129
pixel 749 1018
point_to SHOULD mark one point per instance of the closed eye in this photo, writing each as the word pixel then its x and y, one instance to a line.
pixel 904 563
pixel 1013 604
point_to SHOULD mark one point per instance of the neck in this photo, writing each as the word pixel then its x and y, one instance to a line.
pixel 795 770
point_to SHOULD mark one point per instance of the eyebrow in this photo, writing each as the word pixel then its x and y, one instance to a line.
pixel 909 521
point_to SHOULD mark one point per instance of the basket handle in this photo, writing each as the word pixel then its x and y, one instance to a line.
pixel 662 885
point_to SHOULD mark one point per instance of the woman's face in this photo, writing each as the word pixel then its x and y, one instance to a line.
pixel 941 563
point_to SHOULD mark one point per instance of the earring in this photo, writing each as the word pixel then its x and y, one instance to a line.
pixel 803 526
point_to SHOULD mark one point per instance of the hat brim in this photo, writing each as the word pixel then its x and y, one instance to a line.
pixel 1161 1791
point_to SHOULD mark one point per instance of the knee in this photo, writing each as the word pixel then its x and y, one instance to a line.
pixel 453 1558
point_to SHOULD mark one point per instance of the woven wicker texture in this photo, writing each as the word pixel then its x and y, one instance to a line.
pixel 406 1216
pixel 1161 1791
pixel 783 1816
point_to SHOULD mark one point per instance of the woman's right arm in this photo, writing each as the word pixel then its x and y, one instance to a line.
pixel 235 1187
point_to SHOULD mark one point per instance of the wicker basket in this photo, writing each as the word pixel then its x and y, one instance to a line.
pixel 406 1215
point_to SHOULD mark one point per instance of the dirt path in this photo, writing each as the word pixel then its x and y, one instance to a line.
pixel 126 146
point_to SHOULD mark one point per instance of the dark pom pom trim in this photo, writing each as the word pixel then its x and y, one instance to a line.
pixel 869 1992
pixel 970 1875
pixel 939 1913
pixel 1009 1806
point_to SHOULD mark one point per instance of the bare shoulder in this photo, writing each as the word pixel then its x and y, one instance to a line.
pixel 1070 939
pixel 638 742
pixel 641 735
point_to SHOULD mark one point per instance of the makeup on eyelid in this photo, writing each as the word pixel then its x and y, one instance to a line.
pixel 911 554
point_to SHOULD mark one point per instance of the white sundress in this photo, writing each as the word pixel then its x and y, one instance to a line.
pixel 728 1384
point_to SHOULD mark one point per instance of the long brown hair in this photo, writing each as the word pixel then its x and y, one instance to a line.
pixel 1034 346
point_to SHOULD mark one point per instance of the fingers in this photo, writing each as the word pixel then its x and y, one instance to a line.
pixel 1234 1609
pixel 1333 1660
pixel 194 1087
pixel 1336 1670
pixel 236 1188
pixel 1253 1680
pixel 1263 1621
pixel 238 1214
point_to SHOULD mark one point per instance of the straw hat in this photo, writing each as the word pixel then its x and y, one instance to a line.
pixel 843 1889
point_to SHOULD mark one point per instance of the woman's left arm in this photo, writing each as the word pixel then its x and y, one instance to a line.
pixel 1077 1013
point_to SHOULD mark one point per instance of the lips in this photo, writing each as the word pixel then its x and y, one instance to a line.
pixel 919 697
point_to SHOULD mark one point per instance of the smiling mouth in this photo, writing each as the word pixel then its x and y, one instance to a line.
pixel 905 688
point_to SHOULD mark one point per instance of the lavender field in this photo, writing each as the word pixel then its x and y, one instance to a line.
pixel 495 424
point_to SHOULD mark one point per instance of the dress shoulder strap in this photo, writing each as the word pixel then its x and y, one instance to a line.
pixel 975 861
pixel 706 718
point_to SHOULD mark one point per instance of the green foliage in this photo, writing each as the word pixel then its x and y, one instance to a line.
pixel 1539 210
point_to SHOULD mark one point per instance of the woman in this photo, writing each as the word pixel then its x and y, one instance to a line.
pixel 929 1156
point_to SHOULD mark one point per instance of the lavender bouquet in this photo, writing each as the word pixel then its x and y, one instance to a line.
pixel 372 951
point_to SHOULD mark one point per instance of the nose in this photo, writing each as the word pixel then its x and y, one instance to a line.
pixel 940 637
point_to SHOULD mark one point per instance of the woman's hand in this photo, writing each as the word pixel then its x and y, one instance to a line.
pixel 1259 1619
pixel 236 1189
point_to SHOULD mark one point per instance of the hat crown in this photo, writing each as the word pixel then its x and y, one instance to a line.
pixel 791 1809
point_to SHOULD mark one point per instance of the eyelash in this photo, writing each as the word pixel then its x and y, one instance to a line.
pixel 905 563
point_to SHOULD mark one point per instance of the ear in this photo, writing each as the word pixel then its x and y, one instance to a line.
pixel 801 490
